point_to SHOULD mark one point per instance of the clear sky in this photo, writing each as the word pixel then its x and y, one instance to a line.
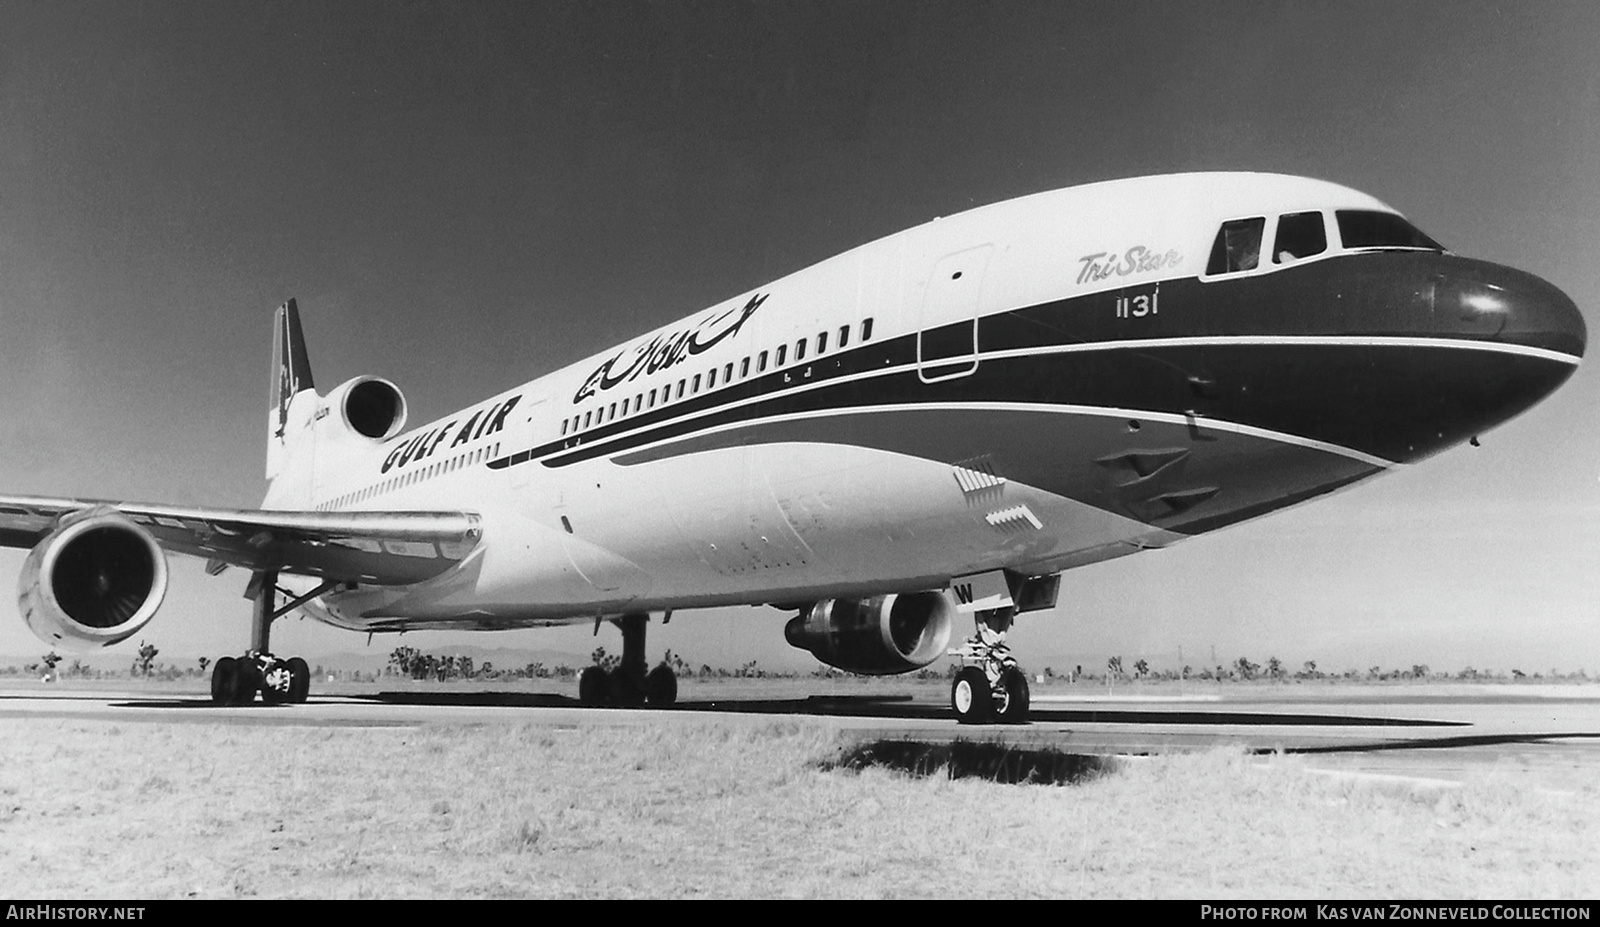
pixel 466 195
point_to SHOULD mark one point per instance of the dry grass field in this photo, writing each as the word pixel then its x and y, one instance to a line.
pixel 92 809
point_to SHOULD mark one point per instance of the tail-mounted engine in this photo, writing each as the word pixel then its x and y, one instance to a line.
pixel 369 406
pixel 92 582
pixel 878 636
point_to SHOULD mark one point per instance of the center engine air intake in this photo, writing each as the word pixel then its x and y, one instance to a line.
pixel 370 406
pixel 886 634
pixel 93 582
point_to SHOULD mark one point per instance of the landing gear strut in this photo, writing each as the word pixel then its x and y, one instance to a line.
pixel 236 680
pixel 629 683
pixel 989 686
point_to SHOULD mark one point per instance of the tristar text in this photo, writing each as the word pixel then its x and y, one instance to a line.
pixel 1139 259
pixel 669 348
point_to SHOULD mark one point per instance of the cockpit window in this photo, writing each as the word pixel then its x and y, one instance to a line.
pixel 1300 235
pixel 1362 228
pixel 1238 246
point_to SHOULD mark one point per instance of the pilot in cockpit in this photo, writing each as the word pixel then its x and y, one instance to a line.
pixel 1244 250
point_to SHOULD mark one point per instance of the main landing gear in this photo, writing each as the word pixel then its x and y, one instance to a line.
pixel 236 680
pixel 989 686
pixel 629 683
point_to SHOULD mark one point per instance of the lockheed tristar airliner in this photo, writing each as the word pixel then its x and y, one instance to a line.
pixel 920 432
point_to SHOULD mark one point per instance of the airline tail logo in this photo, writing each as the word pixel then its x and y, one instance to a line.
pixel 292 369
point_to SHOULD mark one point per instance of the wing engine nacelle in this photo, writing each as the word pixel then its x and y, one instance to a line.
pixel 879 636
pixel 369 406
pixel 92 582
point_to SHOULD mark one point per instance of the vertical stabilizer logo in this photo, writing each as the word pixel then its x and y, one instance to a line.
pixel 294 368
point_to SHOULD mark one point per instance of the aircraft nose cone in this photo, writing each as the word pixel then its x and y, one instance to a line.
pixel 1497 303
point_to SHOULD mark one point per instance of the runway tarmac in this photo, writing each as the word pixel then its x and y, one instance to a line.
pixel 1435 734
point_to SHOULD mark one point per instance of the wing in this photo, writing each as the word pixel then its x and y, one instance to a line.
pixel 387 548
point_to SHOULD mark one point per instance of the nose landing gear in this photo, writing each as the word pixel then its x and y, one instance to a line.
pixel 990 686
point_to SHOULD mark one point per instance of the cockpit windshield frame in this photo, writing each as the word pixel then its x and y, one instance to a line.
pixel 1300 235
pixel 1366 229
pixel 1237 248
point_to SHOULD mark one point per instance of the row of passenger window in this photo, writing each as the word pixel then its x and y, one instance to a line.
pixel 1305 234
pixel 415 476
pixel 692 385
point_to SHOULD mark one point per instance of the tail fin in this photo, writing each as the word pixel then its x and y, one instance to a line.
pixel 291 376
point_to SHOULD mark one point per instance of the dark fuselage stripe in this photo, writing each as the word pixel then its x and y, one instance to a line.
pixel 1393 394
pixel 1370 401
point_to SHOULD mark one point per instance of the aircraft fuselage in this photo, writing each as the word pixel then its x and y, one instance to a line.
pixel 1034 385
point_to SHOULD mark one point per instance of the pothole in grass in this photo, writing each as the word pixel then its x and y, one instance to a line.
pixel 961 759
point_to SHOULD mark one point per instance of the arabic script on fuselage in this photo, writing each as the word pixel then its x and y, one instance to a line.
pixel 669 348
pixel 1103 265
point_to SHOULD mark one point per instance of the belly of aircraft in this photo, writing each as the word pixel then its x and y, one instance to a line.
pixel 867 501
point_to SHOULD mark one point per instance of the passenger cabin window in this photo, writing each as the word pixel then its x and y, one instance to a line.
pixel 844 335
pixel 711 379
pixel 1364 228
pixel 783 353
pixel 1300 235
pixel 761 362
pixel 822 343
pixel 744 368
pixel 1238 246
pixel 866 329
pixel 800 350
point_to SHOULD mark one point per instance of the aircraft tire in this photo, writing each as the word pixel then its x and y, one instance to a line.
pixel 1013 702
pixel 224 681
pixel 593 687
pixel 661 687
pixel 249 681
pixel 299 681
pixel 970 697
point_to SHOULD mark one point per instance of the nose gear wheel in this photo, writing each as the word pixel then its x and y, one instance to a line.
pixel 989 686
